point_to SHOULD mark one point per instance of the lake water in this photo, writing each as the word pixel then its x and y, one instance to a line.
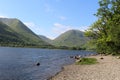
pixel 20 63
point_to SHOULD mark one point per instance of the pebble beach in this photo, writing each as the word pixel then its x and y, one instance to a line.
pixel 106 69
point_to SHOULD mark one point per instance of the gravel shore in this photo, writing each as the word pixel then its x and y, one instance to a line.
pixel 107 69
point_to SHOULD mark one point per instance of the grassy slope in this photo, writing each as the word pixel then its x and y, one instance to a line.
pixel 71 38
pixel 25 34
pixel 44 38
pixel 7 34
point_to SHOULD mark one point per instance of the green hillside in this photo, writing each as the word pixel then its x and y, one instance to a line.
pixel 14 32
pixel 17 29
pixel 8 36
pixel 44 38
pixel 71 38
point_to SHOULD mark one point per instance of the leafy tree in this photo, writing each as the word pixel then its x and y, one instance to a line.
pixel 106 30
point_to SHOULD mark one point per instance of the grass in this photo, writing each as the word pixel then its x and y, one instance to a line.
pixel 87 61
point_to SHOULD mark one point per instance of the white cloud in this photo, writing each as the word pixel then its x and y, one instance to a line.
pixel 62 18
pixel 83 28
pixel 38 30
pixel 60 28
pixel 29 24
pixel 35 28
pixel 51 37
pixel 3 16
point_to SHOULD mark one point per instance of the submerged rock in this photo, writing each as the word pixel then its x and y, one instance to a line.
pixel 38 64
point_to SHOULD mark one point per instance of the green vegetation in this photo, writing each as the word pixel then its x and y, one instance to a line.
pixel 44 38
pixel 72 39
pixel 15 34
pixel 7 34
pixel 90 45
pixel 87 61
pixel 105 32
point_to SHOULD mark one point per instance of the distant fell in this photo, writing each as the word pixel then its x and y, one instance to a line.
pixel 22 32
pixel 44 38
pixel 7 34
pixel 71 38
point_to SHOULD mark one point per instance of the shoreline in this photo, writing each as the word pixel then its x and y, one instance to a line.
pixel 50 78
pixel 63 67
pixel 106 69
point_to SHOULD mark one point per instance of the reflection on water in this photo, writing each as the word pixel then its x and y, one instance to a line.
pixel 20 63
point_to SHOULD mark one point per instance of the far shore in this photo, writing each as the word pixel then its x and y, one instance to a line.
pixel 107 69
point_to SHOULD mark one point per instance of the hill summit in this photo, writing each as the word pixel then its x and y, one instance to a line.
pixel 13 29
pixel 71 38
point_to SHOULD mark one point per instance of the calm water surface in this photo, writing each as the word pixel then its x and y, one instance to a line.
pixel 20 63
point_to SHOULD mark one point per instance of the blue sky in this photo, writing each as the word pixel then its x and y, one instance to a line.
pixel 51 17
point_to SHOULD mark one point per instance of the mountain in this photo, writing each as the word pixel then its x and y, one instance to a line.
pixel 44 38
pixel 21 31
pixel 7 34
pixel 71 38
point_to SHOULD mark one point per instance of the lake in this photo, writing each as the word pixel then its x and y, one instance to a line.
pixel 20 63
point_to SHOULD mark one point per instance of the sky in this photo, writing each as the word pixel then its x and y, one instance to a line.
pixel 51 17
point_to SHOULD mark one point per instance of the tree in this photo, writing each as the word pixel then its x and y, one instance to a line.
pixel 106 30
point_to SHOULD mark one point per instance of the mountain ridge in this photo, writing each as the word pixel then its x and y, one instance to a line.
pixel 14 30
pixel 22 31
pixel 71 38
